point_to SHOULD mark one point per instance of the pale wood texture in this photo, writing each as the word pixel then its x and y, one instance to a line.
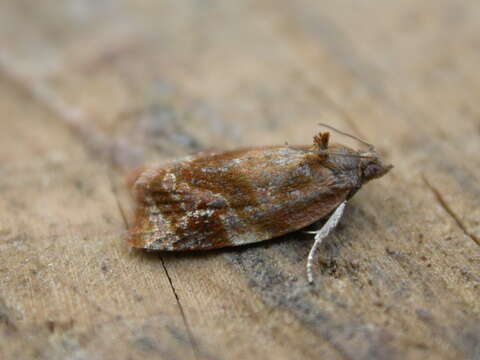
pixel 90 89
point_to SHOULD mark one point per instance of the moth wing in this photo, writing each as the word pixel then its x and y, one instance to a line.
pixel 173 215
pixel 232 198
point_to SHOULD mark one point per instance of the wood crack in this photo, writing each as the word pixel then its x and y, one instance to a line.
pixel 170 281
pixel 182 312
pixel 444 204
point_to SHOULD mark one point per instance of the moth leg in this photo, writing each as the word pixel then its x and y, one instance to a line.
pixel 321 234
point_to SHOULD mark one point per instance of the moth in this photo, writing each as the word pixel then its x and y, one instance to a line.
pixel 217 199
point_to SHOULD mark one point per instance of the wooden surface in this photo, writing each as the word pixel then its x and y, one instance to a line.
pixel 90 89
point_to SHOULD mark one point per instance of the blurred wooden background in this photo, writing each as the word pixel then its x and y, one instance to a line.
pixel 91 89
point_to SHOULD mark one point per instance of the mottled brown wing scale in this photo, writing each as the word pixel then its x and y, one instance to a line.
pixel 232 198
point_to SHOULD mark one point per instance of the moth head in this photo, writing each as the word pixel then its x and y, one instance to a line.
pixel 372 166
pixel 370 163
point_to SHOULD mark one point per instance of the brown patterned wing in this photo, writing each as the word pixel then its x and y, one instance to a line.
pixel 233 198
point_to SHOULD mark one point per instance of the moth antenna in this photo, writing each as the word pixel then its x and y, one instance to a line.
pixel 349 155
pixel 370 146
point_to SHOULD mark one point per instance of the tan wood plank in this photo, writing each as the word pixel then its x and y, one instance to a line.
pixel 90 91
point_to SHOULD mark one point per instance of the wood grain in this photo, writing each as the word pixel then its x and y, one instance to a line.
pixel 92 89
